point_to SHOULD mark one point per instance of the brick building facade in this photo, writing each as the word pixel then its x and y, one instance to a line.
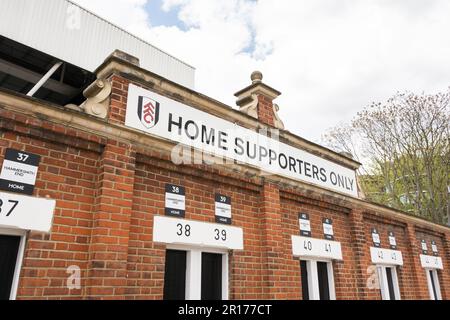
pixel 109 183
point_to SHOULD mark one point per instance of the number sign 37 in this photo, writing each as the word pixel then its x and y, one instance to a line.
pixel 8 210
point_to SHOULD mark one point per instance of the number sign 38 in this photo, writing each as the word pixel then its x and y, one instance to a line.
pixel 180 231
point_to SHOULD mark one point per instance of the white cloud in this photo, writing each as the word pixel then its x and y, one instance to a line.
pixel 328 57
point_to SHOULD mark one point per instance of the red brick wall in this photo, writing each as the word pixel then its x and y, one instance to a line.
pixel 108 192
pixel 405 273
pixel 444 275
pixel 344 271
pixel 146 259
pixel 67 173
pixel 265 110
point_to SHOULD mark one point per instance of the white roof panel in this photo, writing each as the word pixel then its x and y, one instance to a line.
pixel 77 36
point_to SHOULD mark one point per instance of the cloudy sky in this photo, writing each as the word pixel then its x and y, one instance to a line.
pixel 329 58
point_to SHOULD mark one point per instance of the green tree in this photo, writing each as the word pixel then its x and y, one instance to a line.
pixel 404 145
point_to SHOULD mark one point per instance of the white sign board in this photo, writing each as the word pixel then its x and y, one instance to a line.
pixel 392 241
pixel 386 256
pixel 305 224
pixel 434 247
pixel 306 247
pixel 188 232
pixel 431 262
pixel 424 245
pixel 175 121
pixel 26 213
pixel 376 238
pixel 223 209
pixel 19 171
pixel 175 201
pixel 328 229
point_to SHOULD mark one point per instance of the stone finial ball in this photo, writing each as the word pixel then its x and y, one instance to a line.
pixel 256 76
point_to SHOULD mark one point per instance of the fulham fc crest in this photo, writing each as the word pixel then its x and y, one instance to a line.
pixel 148 112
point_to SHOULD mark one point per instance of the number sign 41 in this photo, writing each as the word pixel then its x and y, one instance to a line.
pixel 316 248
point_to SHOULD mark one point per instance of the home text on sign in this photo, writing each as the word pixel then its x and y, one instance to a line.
pixel 189 126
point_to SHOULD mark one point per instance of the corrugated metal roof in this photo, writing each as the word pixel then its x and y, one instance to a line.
pixel 68 32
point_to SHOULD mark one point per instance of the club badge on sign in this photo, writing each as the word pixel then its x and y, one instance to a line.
pixel 148 111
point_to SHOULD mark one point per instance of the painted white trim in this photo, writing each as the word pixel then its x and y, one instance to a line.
pixel 23 239
pixel 384 286
pixel 383 282
pixel 194 270
pixel 225 276
pixel 331 280
pixel 436 284
pixel 430 286
pixel 396 285
pixel 313 279
pixel 193 274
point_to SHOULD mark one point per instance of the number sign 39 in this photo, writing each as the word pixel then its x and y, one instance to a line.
pixel 180 231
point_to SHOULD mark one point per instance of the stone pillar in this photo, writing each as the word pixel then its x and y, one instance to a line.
pixel 256 100
pixel 111 223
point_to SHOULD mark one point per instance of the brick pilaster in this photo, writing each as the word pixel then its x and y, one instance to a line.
pixel 272 241
pixel 418 273
pixel 265 110
pixel 265 96
pixel 362 258
pixel 111 223
pixel 445 274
